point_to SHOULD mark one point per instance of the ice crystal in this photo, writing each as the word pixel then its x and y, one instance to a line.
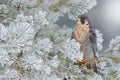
pixel 10 74
pixel 46 69
pixel 20 36
pixel 43 45
pixel 71 49
pixel 23 3
pixel 79 7
pixel 95 77
pixel 54 62
pixel 3 32
pixel 53 78
pixel 4 58
pixel 99 39
pixel 114 42
pixel 3 8
pixel 22 18
pixel 40 19
pixel 32 62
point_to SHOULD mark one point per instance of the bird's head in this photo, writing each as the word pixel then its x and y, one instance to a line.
pixel 83 19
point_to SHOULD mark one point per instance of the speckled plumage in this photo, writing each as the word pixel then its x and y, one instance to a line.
pixel 84 34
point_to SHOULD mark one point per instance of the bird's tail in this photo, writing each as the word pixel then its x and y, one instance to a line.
pixel 95 68
pixel 92 66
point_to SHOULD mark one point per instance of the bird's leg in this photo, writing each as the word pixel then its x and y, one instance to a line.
pixel 82 62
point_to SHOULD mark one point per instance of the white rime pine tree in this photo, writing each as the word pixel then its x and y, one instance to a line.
pixel 34 47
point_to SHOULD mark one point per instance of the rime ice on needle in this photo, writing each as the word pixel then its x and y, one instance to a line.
pixel 20 34
pixel 57 8
pixel 80 7
pixel 9 74
pixel 95 77
pixel 114 42
pixel 32 62
pixel 21 18
pixel 3 33
pixel 54 63
pixel 43 46
pixel 3 8
pixel 23 3
pixel 40 19
pixel 71 49
pixel 4 58
pixel 54 77
pixel 99 39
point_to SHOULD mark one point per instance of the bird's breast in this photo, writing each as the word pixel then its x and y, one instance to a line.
pixel 82 34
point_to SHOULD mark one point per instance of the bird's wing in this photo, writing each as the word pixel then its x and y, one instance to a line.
pixel 93 41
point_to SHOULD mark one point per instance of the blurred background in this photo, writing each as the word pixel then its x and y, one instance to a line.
pixel 105 16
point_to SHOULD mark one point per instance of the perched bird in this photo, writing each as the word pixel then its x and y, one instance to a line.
pixel 85 35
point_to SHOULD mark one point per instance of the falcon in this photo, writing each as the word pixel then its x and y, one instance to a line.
pixel 85 35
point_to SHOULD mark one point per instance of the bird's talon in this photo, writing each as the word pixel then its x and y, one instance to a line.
pixel 81 62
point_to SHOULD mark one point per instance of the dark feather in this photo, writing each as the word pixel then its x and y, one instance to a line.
pixel 93 41
pixel 83 18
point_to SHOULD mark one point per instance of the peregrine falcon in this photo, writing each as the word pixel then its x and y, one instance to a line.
pixel 85 35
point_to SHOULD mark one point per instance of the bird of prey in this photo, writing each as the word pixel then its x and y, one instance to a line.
pixel 85 35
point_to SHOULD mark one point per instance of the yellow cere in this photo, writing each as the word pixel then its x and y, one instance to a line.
pixel 78 19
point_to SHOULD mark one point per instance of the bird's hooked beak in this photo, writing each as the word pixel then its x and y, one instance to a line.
pixel 78 20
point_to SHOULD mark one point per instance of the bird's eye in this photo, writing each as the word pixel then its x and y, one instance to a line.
pixel 87 24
